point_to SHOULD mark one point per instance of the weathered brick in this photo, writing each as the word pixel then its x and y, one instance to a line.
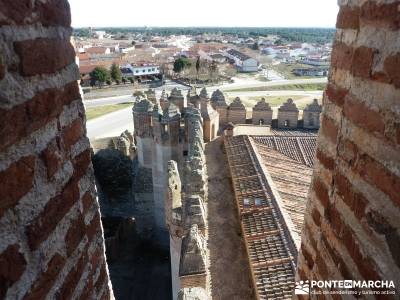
pixel 73 277
pixel 53 212
pixel 94 227
pixel 335 221
pixel 362 62
pixel 392 67
pixel 325 160
pixel 106 295
pixel 337 259
pixel 23 119
pixel 75 234
pixel 87 291
pixel 364 264
pixel 2 69
pixel 81 163
pixel 381 14
pixel 378 223
pixel 44 56
pixel 12 266
pixel 102 280
pixel 87 202
pixel 54 13
pixel 377 175
pixel 329 129
pixel 53 158
pixel 342 56
pixel 316 216
pixel 308 257
pixel 16 181
pixel 323 271
pixel 72 133
pixel 363 116
pixel 336 94
pixel 348 18
pixel 45 282
pixel 354 200
pixel 15 12
pixel 26 12
pixel 348 151
pixel 321 192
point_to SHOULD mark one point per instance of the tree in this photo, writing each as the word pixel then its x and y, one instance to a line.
pixel 99 75
pixel 180 64
pixel 198 65
pixel 115 73
pixel 255 46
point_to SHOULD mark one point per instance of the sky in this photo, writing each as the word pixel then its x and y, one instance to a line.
pixel 204 13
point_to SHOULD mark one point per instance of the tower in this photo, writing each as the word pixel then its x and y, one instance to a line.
pixel 142 119
pixel 311 115
pixel 288 115
pixel 218 102
pixel 262 113
pixel 166 147
pixel 237 112
pixel 178 99
pixel 210 117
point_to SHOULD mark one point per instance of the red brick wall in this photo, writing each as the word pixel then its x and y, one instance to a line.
pixel 51 240
pixel 352 226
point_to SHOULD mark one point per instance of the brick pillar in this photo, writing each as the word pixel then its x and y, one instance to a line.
pixel 352 225
pixel 51 238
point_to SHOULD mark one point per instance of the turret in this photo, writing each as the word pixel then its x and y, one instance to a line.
pixel 311 115
pixel 178 99
pixel 142 118
pixel 218 102
pixel 237 112
pixel 262 113
pixel 288 115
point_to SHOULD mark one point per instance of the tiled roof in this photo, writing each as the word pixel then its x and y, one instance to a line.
pixel 298 148
pixel 271 177
pixel 271 251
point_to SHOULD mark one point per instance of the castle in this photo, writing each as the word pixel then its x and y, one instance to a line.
pixel 170 135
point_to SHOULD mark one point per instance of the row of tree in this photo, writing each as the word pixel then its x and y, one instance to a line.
pixel 100 75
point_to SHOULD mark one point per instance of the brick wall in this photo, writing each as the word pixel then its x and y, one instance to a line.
pixel 199 280
pixel 352 227
pixel 51 235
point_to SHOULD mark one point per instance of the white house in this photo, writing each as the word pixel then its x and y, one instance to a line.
pixel 243 62
pixel 140 70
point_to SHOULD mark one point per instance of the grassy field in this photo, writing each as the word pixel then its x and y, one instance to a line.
pixel 95 112
pixel 283 87
pixel 286 70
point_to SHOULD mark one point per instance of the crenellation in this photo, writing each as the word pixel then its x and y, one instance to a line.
pixel 262 113
pixel 288 115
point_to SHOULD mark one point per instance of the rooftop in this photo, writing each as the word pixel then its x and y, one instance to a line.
pixel 271 199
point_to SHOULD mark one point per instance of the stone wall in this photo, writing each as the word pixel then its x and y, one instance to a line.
pixel 352 222
pixel 51 236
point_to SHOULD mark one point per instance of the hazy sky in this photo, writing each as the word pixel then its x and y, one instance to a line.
pixel 240 13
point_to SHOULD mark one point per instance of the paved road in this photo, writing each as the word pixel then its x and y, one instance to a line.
pixel 112 124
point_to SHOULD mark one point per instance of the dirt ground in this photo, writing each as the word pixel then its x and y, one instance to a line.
pixel 229 267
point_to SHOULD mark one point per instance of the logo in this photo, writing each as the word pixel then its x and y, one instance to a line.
pixel 302 288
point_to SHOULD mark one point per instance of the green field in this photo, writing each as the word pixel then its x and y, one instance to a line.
pixel 283 87
pixel 286 70
pixel 95 112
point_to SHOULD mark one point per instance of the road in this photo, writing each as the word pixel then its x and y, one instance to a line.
pixel 112 124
